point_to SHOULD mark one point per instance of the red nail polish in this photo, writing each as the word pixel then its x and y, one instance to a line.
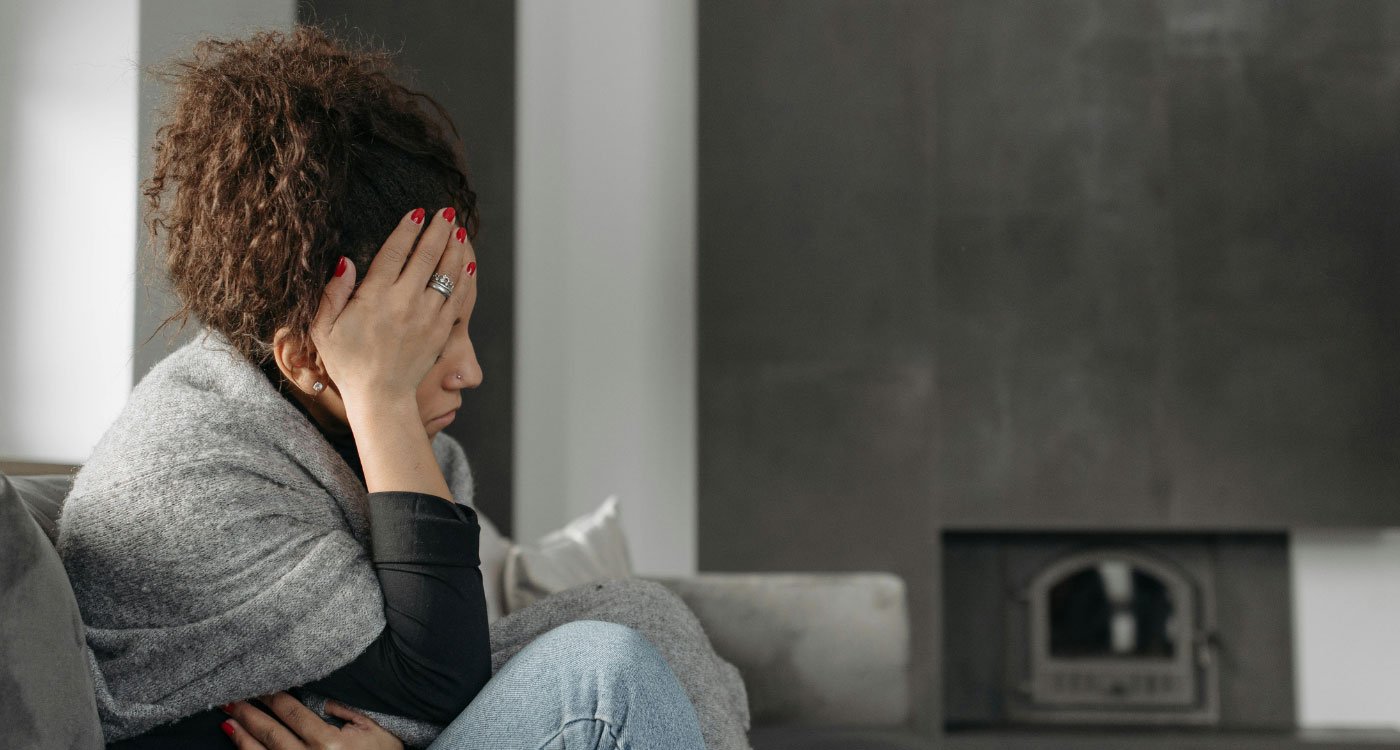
pixel 226 708
pixel 227 726
pixel 417 216
pixel 471 268
pixel 461 234
pixel 340 268
pixel 449 213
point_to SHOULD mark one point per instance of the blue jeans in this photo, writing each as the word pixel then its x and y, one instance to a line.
pixel 585 685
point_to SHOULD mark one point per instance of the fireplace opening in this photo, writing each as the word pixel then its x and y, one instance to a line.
pixel 1115 629
pixel 1114 632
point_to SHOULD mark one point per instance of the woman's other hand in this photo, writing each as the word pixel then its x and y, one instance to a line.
pixel 378 342
pixel 299 729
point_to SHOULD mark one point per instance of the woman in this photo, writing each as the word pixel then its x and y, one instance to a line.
pixel 276 507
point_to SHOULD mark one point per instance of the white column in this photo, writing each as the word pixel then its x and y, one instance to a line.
pixel 76 119
pixel 67 224
pixel 605 291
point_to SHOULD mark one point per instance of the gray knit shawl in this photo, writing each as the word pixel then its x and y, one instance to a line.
pixel 219 549
pixel 218 545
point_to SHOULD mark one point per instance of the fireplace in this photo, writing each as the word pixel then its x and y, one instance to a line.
pixel 1115 635
pixel 1117 630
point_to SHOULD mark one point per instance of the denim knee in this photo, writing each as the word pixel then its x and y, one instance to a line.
pixel 599 635
pixel 600 647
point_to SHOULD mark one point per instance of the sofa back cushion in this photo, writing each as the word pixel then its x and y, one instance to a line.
pixel 46 691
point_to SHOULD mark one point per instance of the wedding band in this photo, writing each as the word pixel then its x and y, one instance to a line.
pixel 441 282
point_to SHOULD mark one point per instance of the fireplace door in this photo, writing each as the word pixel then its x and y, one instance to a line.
pixel 1115 635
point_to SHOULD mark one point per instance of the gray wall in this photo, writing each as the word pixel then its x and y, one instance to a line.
pixel 463 55
pixel 170 28
pixel 993 264
pixel 819 414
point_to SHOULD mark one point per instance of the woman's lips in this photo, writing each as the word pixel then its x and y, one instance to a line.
pixel 444 420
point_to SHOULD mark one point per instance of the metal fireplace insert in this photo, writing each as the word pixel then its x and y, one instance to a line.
pixel 1117 629
pixel 1115 635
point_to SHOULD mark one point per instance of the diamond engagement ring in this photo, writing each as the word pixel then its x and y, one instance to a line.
pixel 441 282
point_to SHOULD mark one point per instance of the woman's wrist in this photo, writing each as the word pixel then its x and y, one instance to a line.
pixel 395 451
pixel 368 409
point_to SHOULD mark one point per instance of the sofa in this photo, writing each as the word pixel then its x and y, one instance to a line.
pixel 825 657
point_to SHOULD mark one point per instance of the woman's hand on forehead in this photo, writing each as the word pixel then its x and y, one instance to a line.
pixel 379 340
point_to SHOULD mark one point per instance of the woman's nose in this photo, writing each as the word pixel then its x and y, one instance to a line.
pixel 467 374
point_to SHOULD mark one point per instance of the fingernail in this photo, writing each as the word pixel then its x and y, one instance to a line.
pixel 227 726
pixel 417 216
pixel 340 267
pixel 461 234
pixel 471 268
pixel 449 213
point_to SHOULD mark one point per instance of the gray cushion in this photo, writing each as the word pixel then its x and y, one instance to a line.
pixel 812 738
pixel 815 649
pixel 43 497
pixel 46 691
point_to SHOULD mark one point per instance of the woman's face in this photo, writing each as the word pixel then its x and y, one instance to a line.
pixel 439 394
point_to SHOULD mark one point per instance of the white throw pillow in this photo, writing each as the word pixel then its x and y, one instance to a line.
pixel 492 549
pixel 590 548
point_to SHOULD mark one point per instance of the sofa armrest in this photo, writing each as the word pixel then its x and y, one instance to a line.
pixel 43 496
pixel 815 649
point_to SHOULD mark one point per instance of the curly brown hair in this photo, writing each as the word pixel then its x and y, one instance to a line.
pixel 279 154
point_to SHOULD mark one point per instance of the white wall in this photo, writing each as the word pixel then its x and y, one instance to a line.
pixel 75 132
pixel 1346 602
pixel 605 311
pixel 67 168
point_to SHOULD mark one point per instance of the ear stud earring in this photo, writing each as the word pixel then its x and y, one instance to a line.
pixel 317 387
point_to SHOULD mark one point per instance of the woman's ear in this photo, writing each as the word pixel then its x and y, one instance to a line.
pixel 296 358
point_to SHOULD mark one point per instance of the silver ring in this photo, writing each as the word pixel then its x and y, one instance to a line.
pixel 441 282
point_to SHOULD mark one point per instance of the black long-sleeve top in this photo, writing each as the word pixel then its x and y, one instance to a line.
pixel 434 654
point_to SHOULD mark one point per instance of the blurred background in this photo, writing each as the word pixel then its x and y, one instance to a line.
pixel 1080 316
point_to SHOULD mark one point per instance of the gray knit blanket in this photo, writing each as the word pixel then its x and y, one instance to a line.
pixel 219 549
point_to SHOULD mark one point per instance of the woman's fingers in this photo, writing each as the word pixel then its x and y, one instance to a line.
pixel 334 298
pixel 466 277
pixel 431 246
pixel 241 739
pixel 341 711
pixel 362 729
pixel 388 263
pixel 306 724
pixel 451 263
pixel 263 728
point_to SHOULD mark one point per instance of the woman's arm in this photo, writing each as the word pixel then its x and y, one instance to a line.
pixel 434 654
pixel 379 341
pixel 377 344
pixel 395 451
